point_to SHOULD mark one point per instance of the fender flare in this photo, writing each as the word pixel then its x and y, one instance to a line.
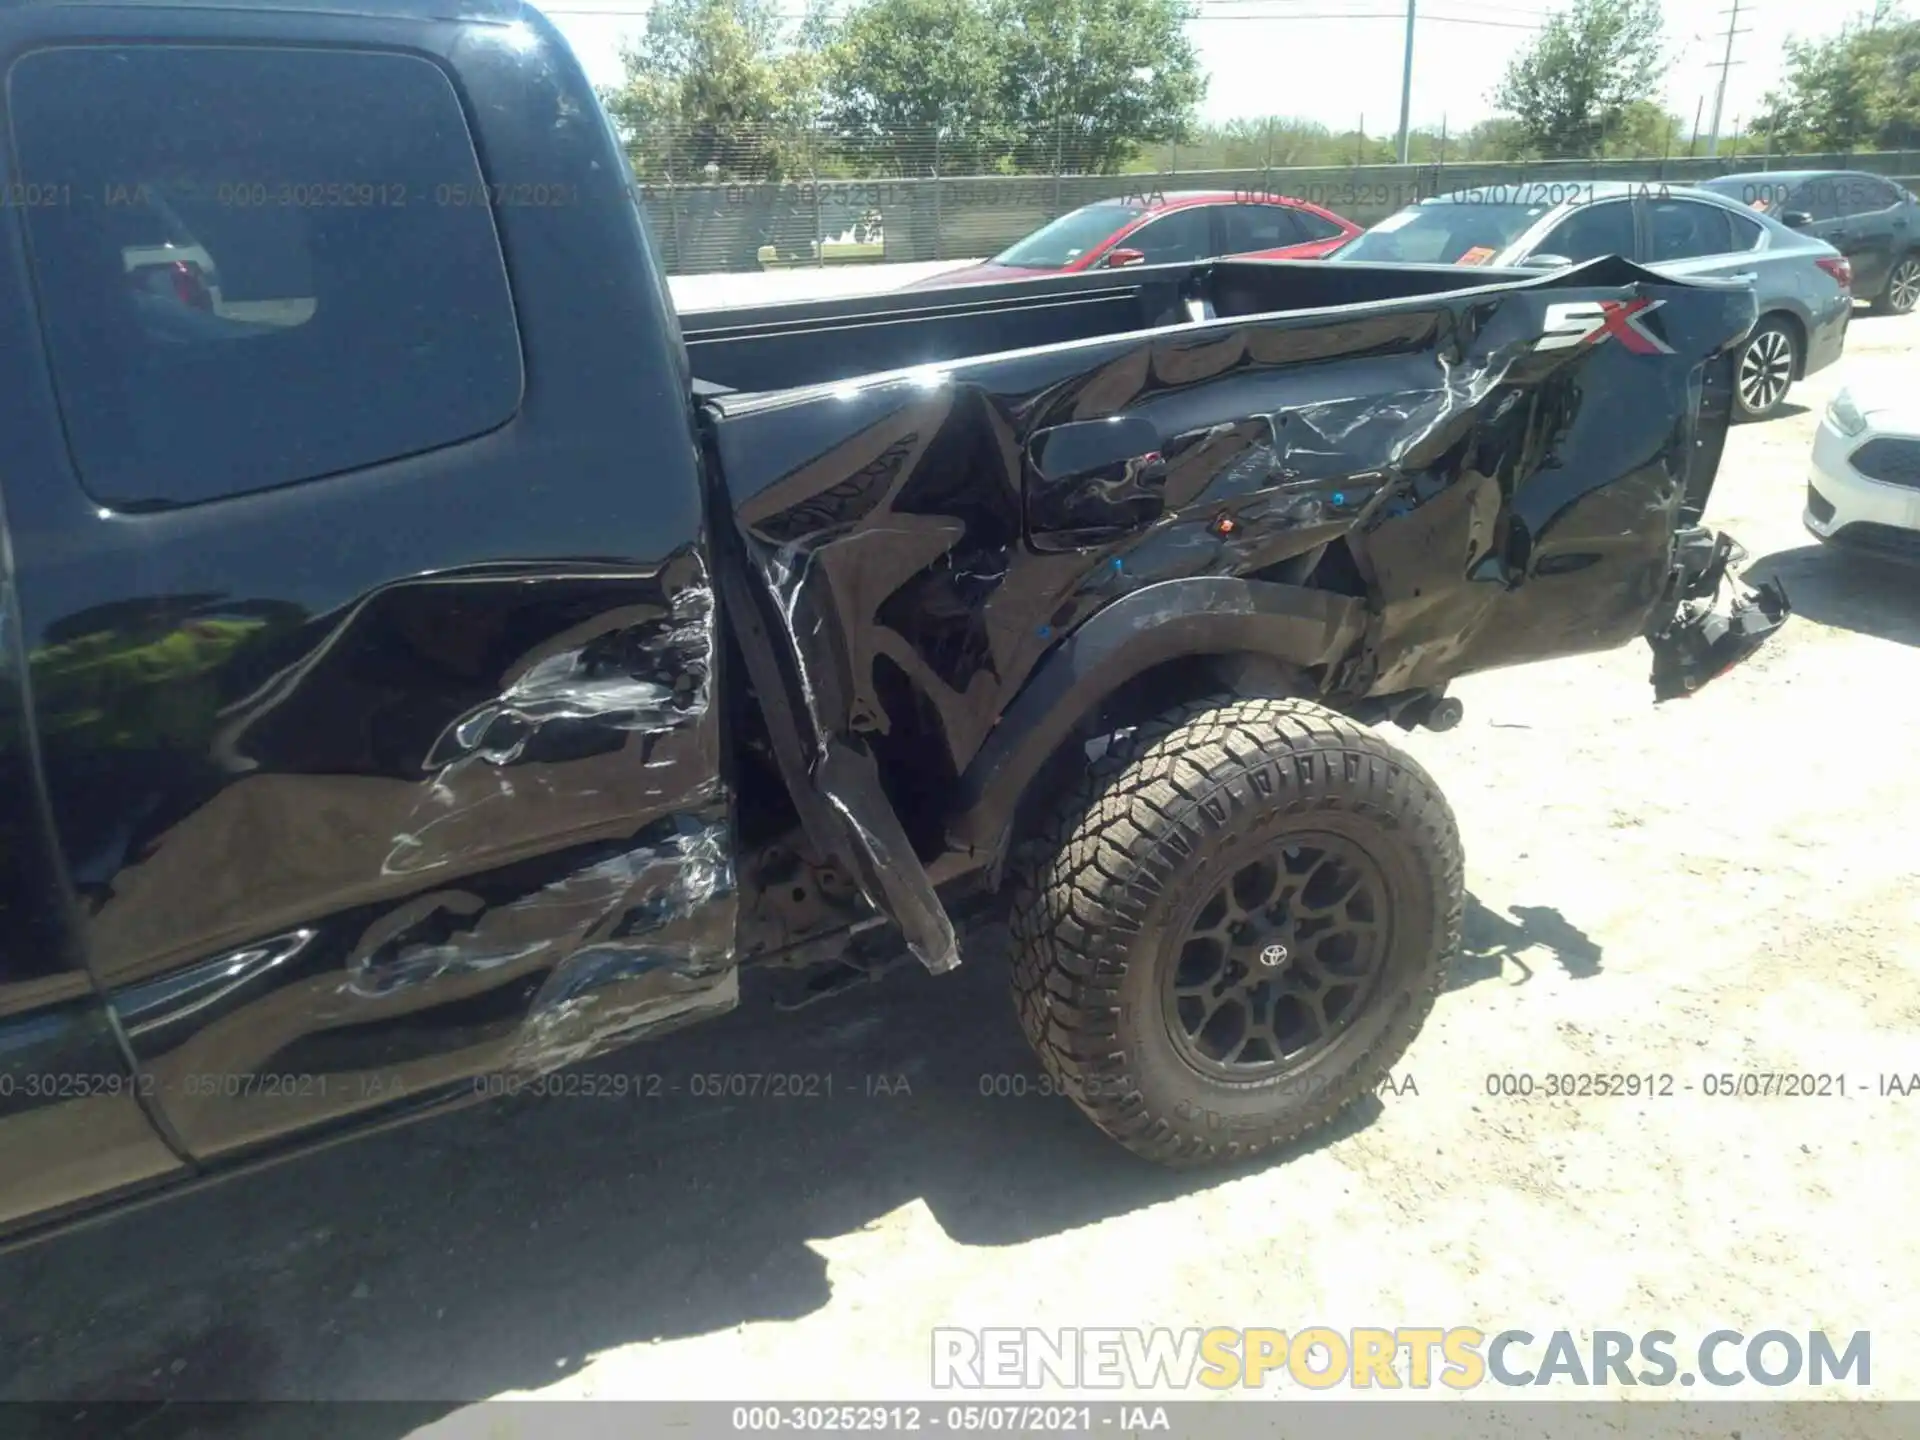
pixel 1211 615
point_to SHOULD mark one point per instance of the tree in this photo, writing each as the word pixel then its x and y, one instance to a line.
pixel 1859 90
pixel 1644 129
pixel 713 89
pixel 903 102
pixel 1496 139
pixel 1086 82
pixel 1577 83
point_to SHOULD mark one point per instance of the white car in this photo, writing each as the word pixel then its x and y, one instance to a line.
pixel 1865 485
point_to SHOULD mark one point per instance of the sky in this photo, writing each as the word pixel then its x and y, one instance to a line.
pixel 1339 61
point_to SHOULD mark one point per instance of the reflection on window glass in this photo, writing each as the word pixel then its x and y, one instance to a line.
pixel 275 265
pixel 1444 232
pixel 1058 245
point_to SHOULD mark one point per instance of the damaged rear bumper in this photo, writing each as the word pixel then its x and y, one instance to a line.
pixel 1712 619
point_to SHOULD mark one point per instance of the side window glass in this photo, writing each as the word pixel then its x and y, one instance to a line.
pixel 1260 227
pixel 292 273
pixel 1591 232
pixel 1179 236
pixel 1315 227
pixel 1819 198
pixel 1864 196
pixel 1685 230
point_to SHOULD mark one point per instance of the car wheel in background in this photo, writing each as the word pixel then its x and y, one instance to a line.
pixel 1767 367
pixel 1903 288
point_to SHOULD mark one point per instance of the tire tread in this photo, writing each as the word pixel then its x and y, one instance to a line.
pixel 1094 862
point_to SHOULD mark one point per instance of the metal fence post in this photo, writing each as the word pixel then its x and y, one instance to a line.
pixel 1056 162
pixel 678 263
pixel 939 223
pixel 813 178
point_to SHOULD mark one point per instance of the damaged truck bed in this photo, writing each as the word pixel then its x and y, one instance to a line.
pixel 1350 484
pixel 451 714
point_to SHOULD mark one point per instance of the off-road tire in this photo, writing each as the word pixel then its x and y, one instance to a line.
pixel 1898 296
pixel 1102 883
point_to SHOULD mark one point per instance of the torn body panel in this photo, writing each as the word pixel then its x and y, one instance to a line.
pixel 1459 486
pixel 1694 638
pixel 501 841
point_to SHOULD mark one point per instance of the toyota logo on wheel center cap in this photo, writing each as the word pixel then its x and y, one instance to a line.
pixel 1273 956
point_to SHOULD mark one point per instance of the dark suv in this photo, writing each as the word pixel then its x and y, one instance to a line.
pixel 1871 220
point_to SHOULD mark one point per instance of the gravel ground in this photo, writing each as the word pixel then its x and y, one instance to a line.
pixel 1726 884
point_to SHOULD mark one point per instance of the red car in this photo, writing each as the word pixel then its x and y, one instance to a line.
pixel 1163 229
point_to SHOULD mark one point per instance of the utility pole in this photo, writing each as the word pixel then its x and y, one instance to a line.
pixel 1726 64
pixel 1406 85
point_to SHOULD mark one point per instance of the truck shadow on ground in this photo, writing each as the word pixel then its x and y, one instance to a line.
pixel 493 1249
pixel 1849 590
pixel 1489 941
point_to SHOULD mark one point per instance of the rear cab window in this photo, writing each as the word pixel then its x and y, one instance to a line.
pixel 268 265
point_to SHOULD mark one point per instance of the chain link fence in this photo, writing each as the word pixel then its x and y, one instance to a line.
pixel 930 199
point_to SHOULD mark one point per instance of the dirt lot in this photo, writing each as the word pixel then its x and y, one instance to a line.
pixel 1727 884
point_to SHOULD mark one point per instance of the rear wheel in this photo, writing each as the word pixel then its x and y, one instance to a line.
pixel 1767 367
pixel 1234 926
pixel 1903 288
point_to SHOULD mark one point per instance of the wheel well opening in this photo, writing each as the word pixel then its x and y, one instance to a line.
pixel 1152 692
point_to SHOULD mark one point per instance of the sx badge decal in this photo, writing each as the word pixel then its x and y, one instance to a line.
pixel 1588 322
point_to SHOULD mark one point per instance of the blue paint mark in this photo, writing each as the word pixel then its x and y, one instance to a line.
pixel 1045 631
pixel 1116 562
pixel 1339 497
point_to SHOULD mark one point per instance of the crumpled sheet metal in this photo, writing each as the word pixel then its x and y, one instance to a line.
pixel 1505 497
pixel 483 945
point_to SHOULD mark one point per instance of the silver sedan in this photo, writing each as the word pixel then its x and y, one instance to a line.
pixel 1803 284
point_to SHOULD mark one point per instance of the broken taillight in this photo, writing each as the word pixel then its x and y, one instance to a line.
pixel 1839 267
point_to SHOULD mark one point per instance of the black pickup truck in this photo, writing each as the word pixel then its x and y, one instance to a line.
pixel 425 658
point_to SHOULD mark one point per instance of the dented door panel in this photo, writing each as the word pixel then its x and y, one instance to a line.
pixel 471 822
pixel 1503 495
pixel 376 783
